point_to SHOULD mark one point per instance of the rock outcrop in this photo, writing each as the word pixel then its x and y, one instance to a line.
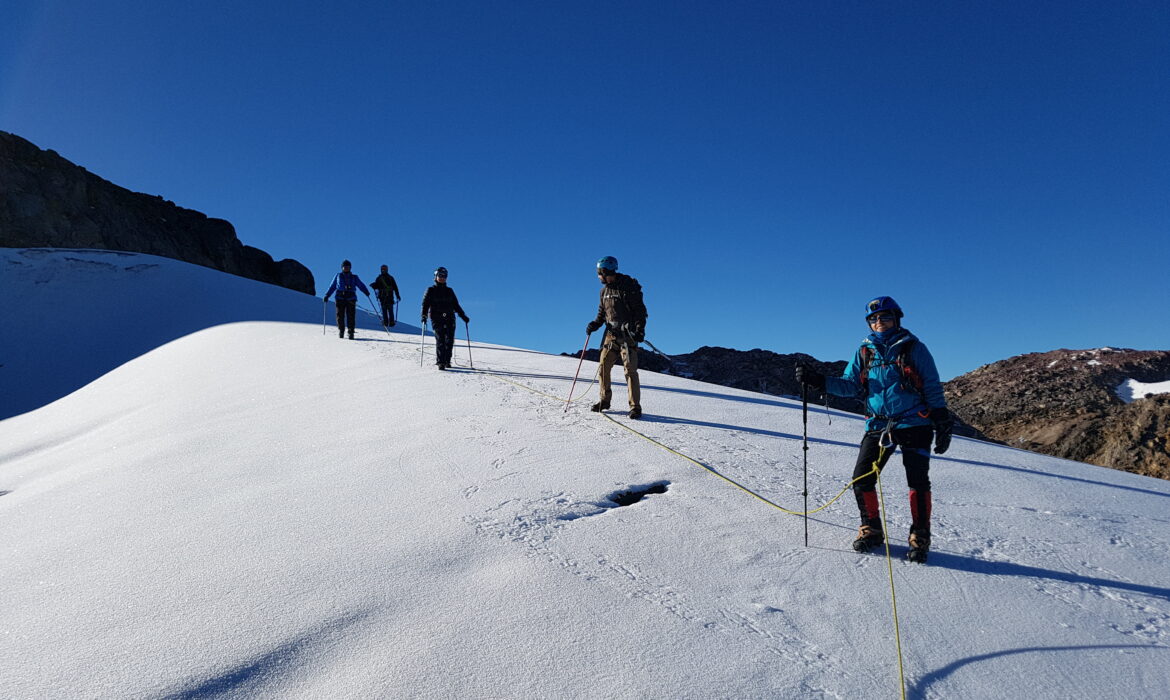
pixel 48 202
pixel 1066 403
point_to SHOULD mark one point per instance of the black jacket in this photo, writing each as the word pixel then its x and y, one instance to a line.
pixel 440 303
pixel 386 287
pixel 621 308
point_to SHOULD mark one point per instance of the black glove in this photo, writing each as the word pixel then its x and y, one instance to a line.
pixel 808 376
pixel 639 334
pixel 466 320
pixel 591 327
pixel 424 320
pixel 326 300
pixel 943 426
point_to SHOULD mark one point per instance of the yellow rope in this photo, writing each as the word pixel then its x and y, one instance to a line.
pixel 686 457
pixel 734 482
pixel 876 471
pixel 878 463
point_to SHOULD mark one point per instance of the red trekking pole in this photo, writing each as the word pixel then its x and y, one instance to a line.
pixel 578 372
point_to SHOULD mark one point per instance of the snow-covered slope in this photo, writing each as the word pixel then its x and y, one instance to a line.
pixel 70 316
pixel 257 510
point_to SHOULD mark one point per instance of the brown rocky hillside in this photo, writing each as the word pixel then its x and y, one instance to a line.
pixel 1066 403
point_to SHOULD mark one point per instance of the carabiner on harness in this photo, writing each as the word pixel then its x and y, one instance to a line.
pixel 886 441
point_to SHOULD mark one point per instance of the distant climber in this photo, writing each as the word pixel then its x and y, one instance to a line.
pixel 623 313
pixel 346 284
pixel 442 306
pixel 387 290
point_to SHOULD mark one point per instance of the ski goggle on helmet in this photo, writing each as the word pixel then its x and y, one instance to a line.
pixel 880 304
pixel 441 272
pixel 607 264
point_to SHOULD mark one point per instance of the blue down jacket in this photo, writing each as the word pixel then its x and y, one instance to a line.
pixel 887 393
pixel 344 284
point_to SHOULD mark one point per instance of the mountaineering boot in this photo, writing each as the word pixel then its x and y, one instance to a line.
pixel 919 546
pixel 636 412
pixel 868 537
pixel 919 526
pixel 920 510
pixel 340 333
pixel 870 533
pixel 600 406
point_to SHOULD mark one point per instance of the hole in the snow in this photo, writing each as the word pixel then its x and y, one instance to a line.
pixel 636 493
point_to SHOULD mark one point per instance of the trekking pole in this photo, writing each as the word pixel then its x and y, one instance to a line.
pixel 422 342
pixel 467 328
pixel 324 311
pixel 377 313
pixel 579 363
pixel 668 357
pixel 804 415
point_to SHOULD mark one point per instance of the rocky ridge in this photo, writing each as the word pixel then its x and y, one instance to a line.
pixel 1066 403
pixel 48 202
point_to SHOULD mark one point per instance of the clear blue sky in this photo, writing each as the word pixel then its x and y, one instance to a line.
pixel 1001 168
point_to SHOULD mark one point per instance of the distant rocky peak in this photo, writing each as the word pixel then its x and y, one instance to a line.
pixel 48 202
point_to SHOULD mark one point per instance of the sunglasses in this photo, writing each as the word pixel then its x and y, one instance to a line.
pixel 884 318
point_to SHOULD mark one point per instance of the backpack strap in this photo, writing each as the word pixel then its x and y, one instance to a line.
pixel 910 380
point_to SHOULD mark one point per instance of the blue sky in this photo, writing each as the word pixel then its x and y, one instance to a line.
pixel 1002 169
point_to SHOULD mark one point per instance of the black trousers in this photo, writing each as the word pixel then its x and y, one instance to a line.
pixel 915 444
pixel 346 314
pixel 387 310
pixel 444 339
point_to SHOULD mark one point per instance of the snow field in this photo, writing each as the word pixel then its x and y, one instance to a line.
pixel 255 509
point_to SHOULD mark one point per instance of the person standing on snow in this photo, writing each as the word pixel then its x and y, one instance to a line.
pixel 895 375
pixel 623 314
pixel 346 284
pixel 387 290
pixel 441 304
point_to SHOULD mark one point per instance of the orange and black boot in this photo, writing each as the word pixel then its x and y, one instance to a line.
pixel 920 527
pixel 869 535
